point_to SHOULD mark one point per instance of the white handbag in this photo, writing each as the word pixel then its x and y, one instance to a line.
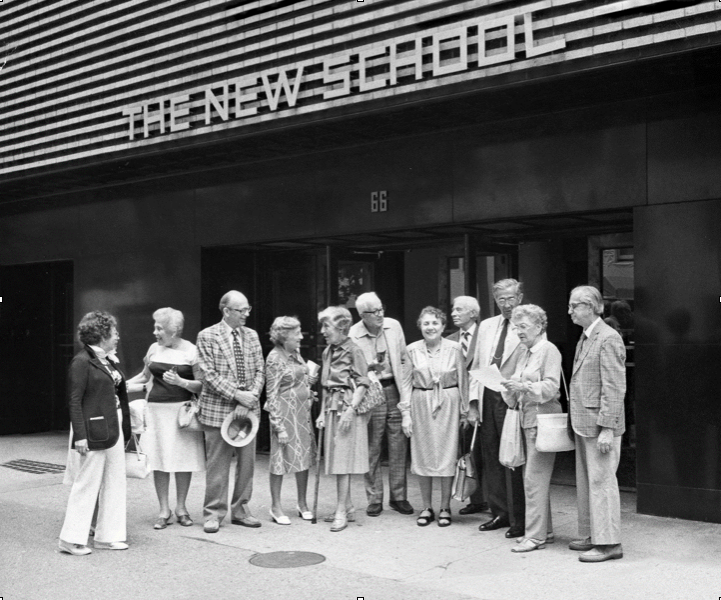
pixel 136 461
pixel 552 433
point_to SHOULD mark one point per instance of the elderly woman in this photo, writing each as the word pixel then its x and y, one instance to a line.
pixel 172 365
pixel 535 387
pixel 438 403
pixel 101 422
pixel 344 379
pixel 288 402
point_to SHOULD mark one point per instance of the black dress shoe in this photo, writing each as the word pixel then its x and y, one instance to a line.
pixel 494 523
pixel 374 509
pixel 515 532
pixel 472 509
pixel 402 506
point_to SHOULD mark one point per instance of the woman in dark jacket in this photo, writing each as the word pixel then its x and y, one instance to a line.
pixel 101 421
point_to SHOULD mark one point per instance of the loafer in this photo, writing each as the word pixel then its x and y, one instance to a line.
pixel 402 506
pixel 494 523
pixel 74 549
pixel 247 521
pixel 515 532
pixel 374 509
pixel 602 553
pixel 528 545
pixel 472 509
pixel 211 526
pixel 111 545
pixel 581 545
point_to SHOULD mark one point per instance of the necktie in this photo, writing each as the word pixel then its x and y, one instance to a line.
pixel 239 362
pixel 498 352
pixel 579 346
pixel 464 343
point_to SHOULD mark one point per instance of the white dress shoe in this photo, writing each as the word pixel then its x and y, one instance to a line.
pixel 74 549
pixel 111 545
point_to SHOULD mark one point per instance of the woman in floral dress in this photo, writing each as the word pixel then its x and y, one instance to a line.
pixel 289 399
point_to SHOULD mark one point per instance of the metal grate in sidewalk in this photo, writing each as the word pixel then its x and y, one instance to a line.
pixel 33 466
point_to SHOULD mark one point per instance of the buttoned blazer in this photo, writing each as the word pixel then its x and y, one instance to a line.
pixel 484 353
pixel 598 384
pixel 470 355
pixel 397 356
pixel 93 409
pixel 221 380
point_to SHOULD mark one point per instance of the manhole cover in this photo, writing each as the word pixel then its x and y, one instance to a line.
pixel 286 560
pixel 32 466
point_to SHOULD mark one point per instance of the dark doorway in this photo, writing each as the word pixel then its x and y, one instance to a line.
pixel 36 345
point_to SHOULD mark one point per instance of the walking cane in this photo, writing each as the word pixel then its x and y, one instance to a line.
pixel 317 477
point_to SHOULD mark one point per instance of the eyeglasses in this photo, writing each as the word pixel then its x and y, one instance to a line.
pixel 506 300
pixel 522 326
pixel 575 305
pixel 377 312
pixel 243 311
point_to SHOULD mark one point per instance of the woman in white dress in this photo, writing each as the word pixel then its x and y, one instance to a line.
pixel 438 402
pixel 172 365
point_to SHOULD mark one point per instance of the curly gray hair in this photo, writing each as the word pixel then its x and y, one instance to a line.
pixel 281 327
pixel 535 314
pixel 338 316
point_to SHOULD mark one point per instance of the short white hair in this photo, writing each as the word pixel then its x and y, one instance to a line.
pixel 170 319
pixel 364 301
pixel 590 294
pixel 468 302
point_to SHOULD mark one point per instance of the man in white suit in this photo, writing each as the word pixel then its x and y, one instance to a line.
pixel 384 346
pixel 498 344
pixel 597 390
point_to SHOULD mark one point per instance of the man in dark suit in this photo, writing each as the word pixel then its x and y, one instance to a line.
pixel 466 313
pixel 232 362
pixel 499 345
pixel 597 390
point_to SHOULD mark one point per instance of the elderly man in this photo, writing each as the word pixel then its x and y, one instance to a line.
pixel 384 346
pixel 465 314
pixel 498 345
pixel 597 389
pixel 232 361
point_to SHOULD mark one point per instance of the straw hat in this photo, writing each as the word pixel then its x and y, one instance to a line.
pixel 239 432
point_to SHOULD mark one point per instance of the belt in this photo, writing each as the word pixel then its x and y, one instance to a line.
pixel 388 381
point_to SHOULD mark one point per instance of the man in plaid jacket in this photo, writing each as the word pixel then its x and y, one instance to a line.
pixel 232 361
pixel 597 390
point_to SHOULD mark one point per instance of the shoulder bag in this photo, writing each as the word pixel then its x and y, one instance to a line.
pixel 188 416
pixel 552 433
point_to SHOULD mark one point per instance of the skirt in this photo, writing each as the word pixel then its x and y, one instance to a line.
pixel 169 448
pixel 346 453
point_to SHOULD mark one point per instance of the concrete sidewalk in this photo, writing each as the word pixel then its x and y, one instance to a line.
pixel 383 558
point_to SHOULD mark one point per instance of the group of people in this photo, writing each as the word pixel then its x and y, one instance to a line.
pixel 373 386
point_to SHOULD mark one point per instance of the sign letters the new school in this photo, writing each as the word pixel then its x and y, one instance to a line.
pixel 462 47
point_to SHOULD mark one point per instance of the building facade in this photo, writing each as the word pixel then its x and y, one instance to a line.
pixel 158 154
